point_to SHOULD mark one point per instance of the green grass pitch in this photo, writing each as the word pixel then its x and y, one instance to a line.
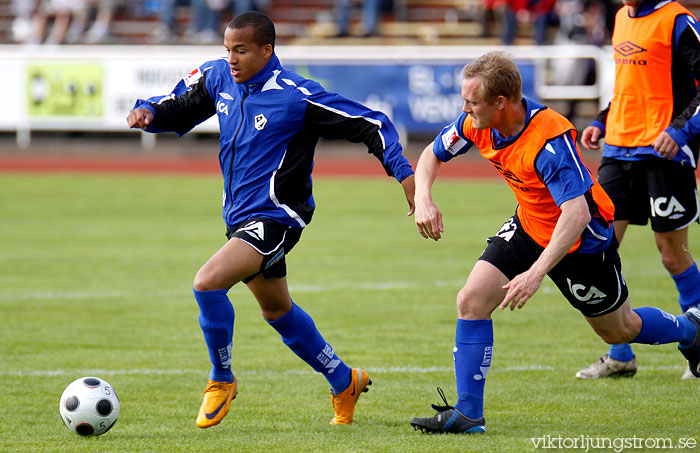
pixel 95 279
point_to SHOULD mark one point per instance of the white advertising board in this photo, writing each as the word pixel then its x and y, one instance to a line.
pixel 94 87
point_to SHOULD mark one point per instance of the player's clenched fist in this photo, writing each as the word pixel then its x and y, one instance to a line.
pixel 139 118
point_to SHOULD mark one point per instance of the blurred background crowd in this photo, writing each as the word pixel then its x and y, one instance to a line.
pixel 485 22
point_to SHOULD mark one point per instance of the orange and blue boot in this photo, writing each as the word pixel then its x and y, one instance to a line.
pixel 217 399
pixel 345 401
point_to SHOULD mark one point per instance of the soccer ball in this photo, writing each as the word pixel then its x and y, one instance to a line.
pixel 89 406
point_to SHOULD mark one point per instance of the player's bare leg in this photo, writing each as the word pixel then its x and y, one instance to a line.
pixel 229 265
pixel 649 325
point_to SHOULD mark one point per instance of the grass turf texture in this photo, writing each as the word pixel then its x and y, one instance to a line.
pixel 95 279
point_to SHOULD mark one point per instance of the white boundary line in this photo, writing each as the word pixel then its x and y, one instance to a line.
pixel 299 288
pixel 293 288
pixel 389 370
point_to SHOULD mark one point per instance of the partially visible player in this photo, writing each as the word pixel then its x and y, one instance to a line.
pixel 651 145
pixel 562 228
pixel 270 121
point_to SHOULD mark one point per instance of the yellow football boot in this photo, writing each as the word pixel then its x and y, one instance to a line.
pixel 217 399
pixel 345 401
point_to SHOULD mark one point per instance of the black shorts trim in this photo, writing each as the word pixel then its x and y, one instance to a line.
pixel 591 282
pixel 273 240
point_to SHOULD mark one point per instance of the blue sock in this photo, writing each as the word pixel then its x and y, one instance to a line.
pixel 622 352
pixel 216 318
pixel 472 354
pixel 688 285
pixel 659 327
pixel 300 334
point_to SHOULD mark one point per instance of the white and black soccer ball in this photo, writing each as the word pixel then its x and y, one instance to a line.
pixel 89 406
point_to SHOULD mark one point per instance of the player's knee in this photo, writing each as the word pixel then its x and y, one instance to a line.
pixel 469 305
pixel 619 335
pixel 615 337
pixel 675 254
pixel 271 315
pixel 205 281
pixel 676 262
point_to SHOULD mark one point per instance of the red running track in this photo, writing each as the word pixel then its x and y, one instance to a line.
pixel 365 166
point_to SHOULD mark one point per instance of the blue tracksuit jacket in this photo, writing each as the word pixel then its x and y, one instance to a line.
pixel 269 128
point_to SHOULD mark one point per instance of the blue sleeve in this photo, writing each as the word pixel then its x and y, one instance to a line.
pixel 179 89
pixel 682 22
pixel 682 136
pixel 561 169
pixel 600 125
pixel 334 116
pixel 451 142
pixel 190 98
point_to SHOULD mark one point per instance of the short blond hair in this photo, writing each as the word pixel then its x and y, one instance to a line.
pixel 499 74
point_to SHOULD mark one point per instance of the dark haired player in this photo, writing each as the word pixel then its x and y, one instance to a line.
pixel 270 121
pixel 651 129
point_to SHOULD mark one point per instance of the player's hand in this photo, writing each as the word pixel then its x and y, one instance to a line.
pixel 665 145
pixel 429 219
pixel 139 118
pixel 520 289
pixel 590 137
pixel 409 189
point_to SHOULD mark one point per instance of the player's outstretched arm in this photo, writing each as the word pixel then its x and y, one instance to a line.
pixel 139 118
pixel 334 116
pixel 428 216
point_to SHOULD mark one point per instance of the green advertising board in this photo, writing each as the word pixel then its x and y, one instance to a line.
pixel 64 89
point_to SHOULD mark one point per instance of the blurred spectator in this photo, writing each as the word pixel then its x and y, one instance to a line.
pixel 599 20
pixel 67 21
pixel 371 12
pixel 23 25
pixel 543 16
pixel 509 22
pixel 60 14
pixel 536 12
pixel 205 25
pixel 205 21
pixel 487 11
pixel 165 31
pixel 99 31
pixel 587 22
